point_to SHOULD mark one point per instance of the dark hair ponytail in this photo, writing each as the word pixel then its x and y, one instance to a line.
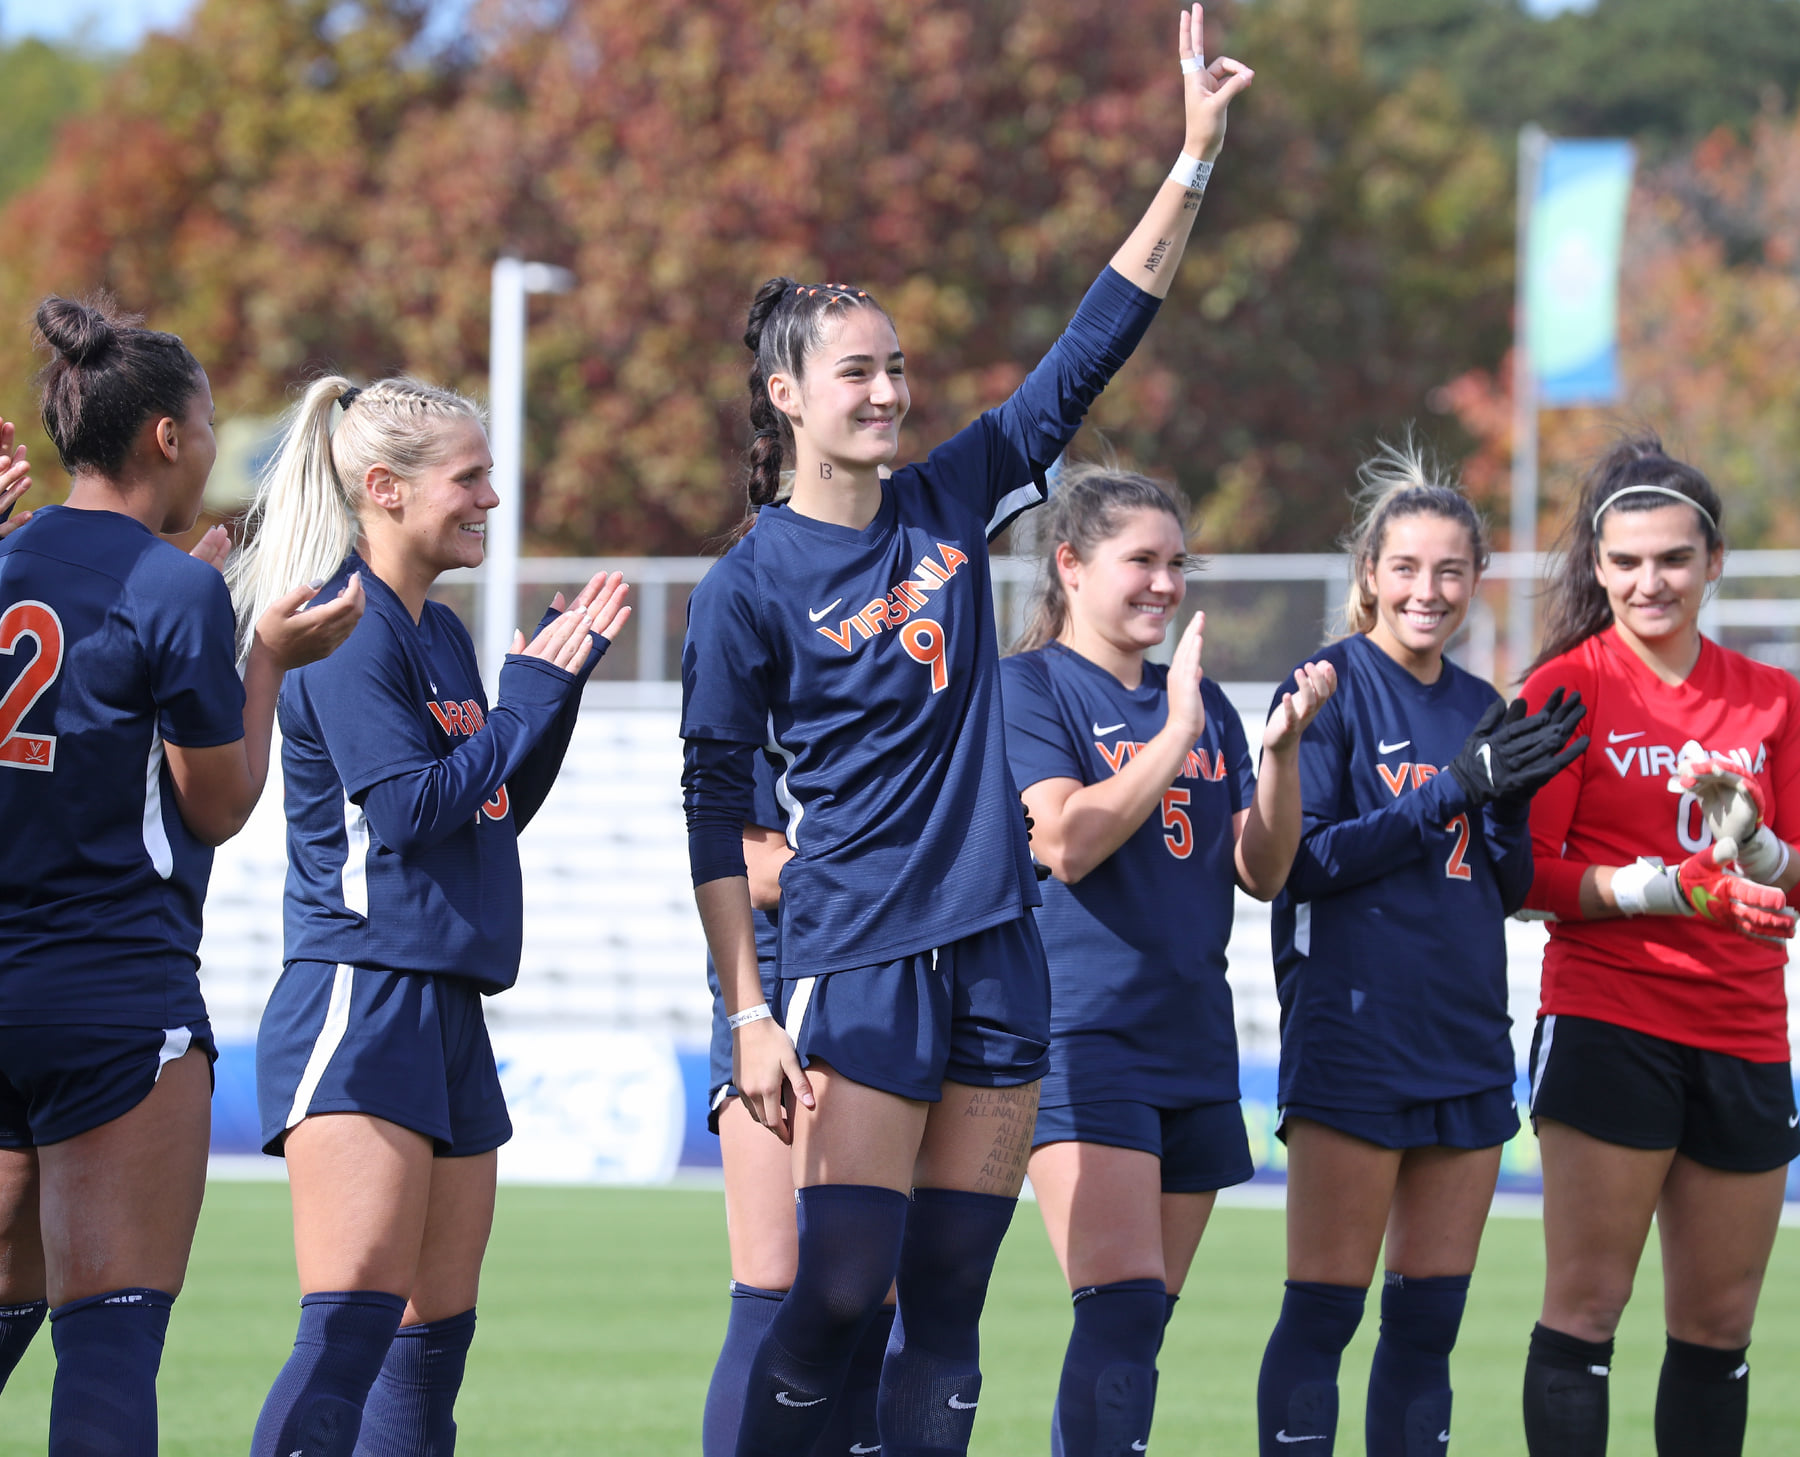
pixel 106 378
pixel 1650 478
pixel 786 320
pixel 1089 506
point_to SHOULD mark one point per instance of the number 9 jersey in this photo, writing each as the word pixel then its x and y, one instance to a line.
pixel 114 643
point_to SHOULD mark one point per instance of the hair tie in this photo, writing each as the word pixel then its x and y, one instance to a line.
pixel 348 398
pixel 1647 490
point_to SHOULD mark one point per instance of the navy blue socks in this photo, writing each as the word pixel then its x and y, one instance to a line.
pixel 411 1408
pixel 18 1324
pixel 315 1407
pixel 1409 1381
pixel 850 1238
pixel 853 1431
pixel 1702 1401
pixel 1297 1395
pixel 1566 1395
pixel 752 1313
pixel 108 1349
pixel 1108 1388
pixel 931 1381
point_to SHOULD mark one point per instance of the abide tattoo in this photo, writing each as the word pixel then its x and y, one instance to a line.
pixel 1158 253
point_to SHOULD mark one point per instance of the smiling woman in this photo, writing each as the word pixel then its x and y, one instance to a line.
pixel 405 794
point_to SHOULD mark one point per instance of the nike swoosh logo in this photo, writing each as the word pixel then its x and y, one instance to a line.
pixel 1140 1446
pixel 1318 1437
pixel 785 1400
pixel 815 616
pixel 1443 1436
pixel 1613 738
pixel 958 1404
pixel 1111 728
pixel 1794 1120
pixel 1384 748
pixel 1486 754
pixel 858 1450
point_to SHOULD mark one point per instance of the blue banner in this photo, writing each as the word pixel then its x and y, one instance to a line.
pixel 1576 230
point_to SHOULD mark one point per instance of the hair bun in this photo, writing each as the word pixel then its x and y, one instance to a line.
pixel 77 331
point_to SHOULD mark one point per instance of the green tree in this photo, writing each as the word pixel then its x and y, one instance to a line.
pixel 43 85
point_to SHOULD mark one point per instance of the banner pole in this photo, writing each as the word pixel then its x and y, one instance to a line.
pixel 1521 633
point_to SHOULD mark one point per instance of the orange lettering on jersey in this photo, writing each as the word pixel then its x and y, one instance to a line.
pixel 473 716
pixel 907 597
pixel 1422 772
pixel 1195 768
pixel 1395 779
pixel 1114 756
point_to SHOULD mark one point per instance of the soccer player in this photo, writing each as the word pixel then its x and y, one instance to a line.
pixel 1147 812
pixel 128 749
pixel 851 634
pixel 1396 1084
pixel 759 1190
pixel 405 794
pixel 1660 1075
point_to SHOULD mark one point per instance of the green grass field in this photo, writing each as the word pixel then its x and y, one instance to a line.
pixel 601 1312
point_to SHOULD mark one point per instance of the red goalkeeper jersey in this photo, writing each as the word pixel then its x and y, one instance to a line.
pixel 1669 976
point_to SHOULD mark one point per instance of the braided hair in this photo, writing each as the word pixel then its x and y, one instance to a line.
pixel 787 320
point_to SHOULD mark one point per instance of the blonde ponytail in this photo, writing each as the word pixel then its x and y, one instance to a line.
pixel 302 523
pixel 1398 481
pixel 304 520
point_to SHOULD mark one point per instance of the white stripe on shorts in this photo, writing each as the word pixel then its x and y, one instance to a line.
pixel 796 1012
pixel 1543 1059
pixel 176 1042
pixel 331 1036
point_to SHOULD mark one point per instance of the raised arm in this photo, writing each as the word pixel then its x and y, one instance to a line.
pixel 1150 256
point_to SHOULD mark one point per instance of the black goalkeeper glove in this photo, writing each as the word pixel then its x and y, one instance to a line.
pixel 1512 754
pixel 1043 870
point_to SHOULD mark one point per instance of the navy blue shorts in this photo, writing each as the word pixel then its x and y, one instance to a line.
pixel 719 1052
pixel 60 1081
pixel 976 1011
pixel 410 1048
pixel 1477 1120
pixel 1202 1148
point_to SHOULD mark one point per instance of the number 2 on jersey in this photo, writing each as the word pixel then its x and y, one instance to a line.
pixel 923 640
pixel 1457 866
pixel 38 621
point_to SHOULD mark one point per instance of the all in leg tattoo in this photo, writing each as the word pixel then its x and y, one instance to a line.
pixel 1010 1115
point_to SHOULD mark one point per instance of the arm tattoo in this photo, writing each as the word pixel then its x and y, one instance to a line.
pixel 1010 1115
pixel 1157 254
pixel 1191 202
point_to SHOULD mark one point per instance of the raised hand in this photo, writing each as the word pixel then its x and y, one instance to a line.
pixel 1734 807
pixel 1314 683
pixel 599 608
pixel 296 630
pixel 15 480
pixel 1187 711
pixel 1511 754
pixel 213 548
pixel 1208 89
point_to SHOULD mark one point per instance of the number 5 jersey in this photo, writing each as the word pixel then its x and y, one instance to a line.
pixel 1667 976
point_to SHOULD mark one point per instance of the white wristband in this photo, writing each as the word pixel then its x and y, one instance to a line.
pixel 1191 172
pixel 1646 888
pixel 1191 64
pixel 750 1014
pixel 1764 857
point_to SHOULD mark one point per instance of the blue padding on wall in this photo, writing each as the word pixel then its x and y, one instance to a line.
pixel 235 1126
pixel 699 1148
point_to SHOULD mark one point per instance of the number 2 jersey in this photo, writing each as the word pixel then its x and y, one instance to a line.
pixel 864 663
pixel 1140 1009
pixel 1389 938
pixel 1667 976
pixel 405 793
pixel 114 643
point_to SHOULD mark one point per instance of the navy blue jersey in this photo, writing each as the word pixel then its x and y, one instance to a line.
pixel 1389 939
pixel 864 662
pixel 114 643
pixel 405 793
pixel 1140 1008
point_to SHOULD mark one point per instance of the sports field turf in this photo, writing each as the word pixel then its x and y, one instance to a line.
pixel 602 1309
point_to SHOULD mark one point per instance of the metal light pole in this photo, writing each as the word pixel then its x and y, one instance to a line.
pixel 1520 626
pixel 513 280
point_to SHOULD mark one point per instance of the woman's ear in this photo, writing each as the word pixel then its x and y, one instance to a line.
pixel 167 434
pixel 784 395
pixel 381 487
pixel 1068 566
